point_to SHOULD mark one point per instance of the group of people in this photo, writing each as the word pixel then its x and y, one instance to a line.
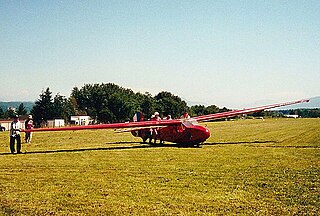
pixel 15 137
pixel 15 130
pixel 154 132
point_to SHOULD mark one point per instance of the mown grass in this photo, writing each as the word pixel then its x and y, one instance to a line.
pixel 246 167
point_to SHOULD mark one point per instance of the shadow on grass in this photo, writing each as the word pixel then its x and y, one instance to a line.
pixel 241 142
pixel 263 146
pixel 147 145
pixel 98 149
pixel 290 146
pixel 125 142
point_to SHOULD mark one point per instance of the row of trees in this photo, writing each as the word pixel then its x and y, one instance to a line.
pixel 111 103
pixel 304 113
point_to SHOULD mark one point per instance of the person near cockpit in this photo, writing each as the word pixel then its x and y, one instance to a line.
pixel 185 115
pixel 154 131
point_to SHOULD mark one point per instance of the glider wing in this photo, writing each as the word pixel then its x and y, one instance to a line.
pixel 244 111
pixel 112 126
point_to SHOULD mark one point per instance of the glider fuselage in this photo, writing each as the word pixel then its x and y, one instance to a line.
pixel 188 133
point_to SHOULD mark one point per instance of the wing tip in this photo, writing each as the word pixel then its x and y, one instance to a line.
pixel 305 101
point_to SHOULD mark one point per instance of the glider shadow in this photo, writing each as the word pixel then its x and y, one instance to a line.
pixel 241 142
pixel 142 146
pixel 97 149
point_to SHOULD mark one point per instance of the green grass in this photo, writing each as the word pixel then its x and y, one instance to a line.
pixel 247 167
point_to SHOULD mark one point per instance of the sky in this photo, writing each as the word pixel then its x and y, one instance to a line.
pixel 228 53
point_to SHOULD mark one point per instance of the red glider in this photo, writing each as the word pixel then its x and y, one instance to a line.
pixel 180 131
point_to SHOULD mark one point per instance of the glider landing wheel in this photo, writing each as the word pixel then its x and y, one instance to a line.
pixel 197 145
pixel 189 145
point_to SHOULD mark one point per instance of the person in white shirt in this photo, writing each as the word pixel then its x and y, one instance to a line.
pixel 154 131
pixel 15 135
pixel 185 116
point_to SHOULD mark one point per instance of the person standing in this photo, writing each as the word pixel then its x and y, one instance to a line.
pixel 28 126
pixel 168 117
pixel 15 135
pixel 155 131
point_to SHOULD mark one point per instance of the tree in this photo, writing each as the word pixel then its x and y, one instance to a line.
pixel 22 110
pixel 75 107
pixel 10 113
pixel 43 108
pixel 62 107
pixel 212 109
pixel 1 113
pixel 105 102
pixel 197 110
pixel 224 109
pixel 147 103
pixel 169 104
pixel 307 113
pixel 90 99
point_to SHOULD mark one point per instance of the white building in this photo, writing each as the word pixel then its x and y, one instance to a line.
pixel 55 123
pixel 292 116
pixel 81 120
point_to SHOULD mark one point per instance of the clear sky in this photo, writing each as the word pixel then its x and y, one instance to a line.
pixel 227 53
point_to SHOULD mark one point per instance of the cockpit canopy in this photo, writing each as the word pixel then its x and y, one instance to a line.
pixel 190 122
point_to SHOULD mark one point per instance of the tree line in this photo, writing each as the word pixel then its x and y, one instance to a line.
pixel 108 103
pixel 304 113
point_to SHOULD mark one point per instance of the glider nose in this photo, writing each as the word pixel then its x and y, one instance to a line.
pixel 203 134
pixel 206 133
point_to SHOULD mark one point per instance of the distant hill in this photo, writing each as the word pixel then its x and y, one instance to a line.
pixel 15 104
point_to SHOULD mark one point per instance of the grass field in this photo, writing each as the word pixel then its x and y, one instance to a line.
pixel 246 167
